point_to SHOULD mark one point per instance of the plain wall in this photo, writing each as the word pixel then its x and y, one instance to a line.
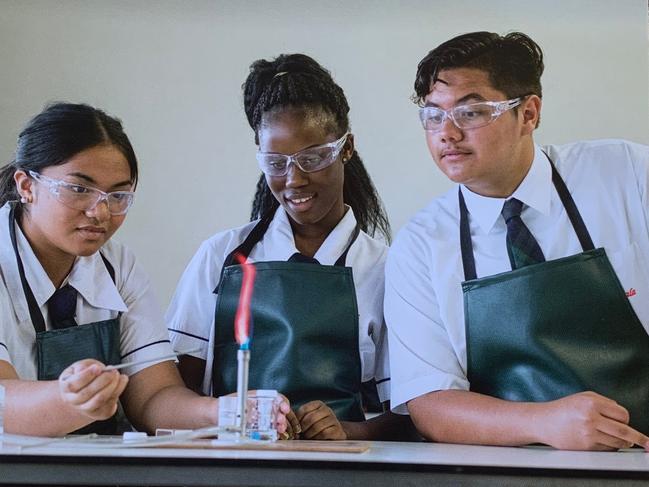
pixel 172 71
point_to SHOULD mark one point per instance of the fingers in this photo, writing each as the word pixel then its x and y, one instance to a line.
pixel 80 387
pixel 310 407
pixel 319 422
pixel 590 421
pixel 81 365
pixel 91 391
pixel 621 435
pixel 294 423
pixel 287 424
pixel 72 380
pixel 326 428
pixel 104 404
pixel 613 425
pixel 613 410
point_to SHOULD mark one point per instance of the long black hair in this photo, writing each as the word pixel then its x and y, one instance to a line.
pixel 296 81
pixel 58 133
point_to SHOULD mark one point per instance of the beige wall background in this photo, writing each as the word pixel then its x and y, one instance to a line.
pixel 172 71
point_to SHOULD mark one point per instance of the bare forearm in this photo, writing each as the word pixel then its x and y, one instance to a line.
pixel 176 407
pixel 35 408
pixel 156 397
pixel 466 417
pixel 385 427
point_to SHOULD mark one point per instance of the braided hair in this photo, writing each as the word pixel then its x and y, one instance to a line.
pixel 296 81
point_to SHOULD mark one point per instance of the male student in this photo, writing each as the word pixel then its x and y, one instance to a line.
pixel 518 303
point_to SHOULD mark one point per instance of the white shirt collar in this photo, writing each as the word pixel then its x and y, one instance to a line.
pixel 91 279
pixel 89 275
pixel 535 191
pixel 280 238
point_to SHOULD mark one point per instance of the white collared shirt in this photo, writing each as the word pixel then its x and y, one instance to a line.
pixel 609 182
pixel 191 313
pixel 142 330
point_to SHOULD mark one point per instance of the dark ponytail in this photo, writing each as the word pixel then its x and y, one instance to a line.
pixel 296 81
pixel 57 134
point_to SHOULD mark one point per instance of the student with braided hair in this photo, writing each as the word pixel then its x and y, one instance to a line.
pixel 319 330
pixel 72 300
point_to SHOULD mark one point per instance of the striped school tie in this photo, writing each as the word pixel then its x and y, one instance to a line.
pixel 522 247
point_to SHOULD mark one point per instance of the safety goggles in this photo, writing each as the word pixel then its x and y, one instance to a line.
pixel 308 160
pixel 471 116
pixel 85 198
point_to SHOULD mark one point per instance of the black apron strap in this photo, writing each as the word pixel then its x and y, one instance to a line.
pixel 34 311
pixel 255 236
pixel 258 232
pixel 468 261
pixel 571 209
pixel 109 267
pixel 341 262
pixel 466 245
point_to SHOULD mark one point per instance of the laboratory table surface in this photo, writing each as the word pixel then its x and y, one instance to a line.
pixel 383 463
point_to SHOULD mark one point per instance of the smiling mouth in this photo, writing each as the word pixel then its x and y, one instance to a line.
pixel 298 201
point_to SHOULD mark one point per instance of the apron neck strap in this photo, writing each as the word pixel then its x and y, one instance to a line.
pixel 468 261
pixel 571 209
pixel 466 245
pixel 34 311
pixel 255 236
pixel 258 232
pixel 341 262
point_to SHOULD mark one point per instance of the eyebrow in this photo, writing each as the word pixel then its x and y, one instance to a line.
pixel 470 97
pixel 90 180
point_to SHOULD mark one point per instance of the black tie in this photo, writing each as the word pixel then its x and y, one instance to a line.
pixel 298 257
pixel 62 307
pixel 522 247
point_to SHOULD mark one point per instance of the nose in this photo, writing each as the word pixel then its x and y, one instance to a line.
pixel 100 210
pixel 295 177
pixel 449 131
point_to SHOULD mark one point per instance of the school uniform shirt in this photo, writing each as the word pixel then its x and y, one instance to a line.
pixel 142 330
pixel 190 316
pixel 608 180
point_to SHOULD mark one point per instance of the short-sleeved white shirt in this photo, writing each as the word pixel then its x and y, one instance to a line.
pixel 609 182
pixel 190 316
pixel 142 330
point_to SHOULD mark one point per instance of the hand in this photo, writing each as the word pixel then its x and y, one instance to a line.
pixel 90 391
pixel 286 424
pixel 319 422
pixel 588 421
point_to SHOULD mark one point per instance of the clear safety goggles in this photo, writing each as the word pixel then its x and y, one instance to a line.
pixel 85 198
pixel 471 116
pixel 308 160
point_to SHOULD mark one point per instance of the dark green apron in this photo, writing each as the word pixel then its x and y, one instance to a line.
pixel 305 337
pixel 58 349
pixel 555 328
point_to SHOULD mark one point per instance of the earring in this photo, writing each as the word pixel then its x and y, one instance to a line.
pixel 25 199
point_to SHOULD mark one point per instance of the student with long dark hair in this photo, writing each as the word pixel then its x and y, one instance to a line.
pixel 77 301
pixel 317 304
